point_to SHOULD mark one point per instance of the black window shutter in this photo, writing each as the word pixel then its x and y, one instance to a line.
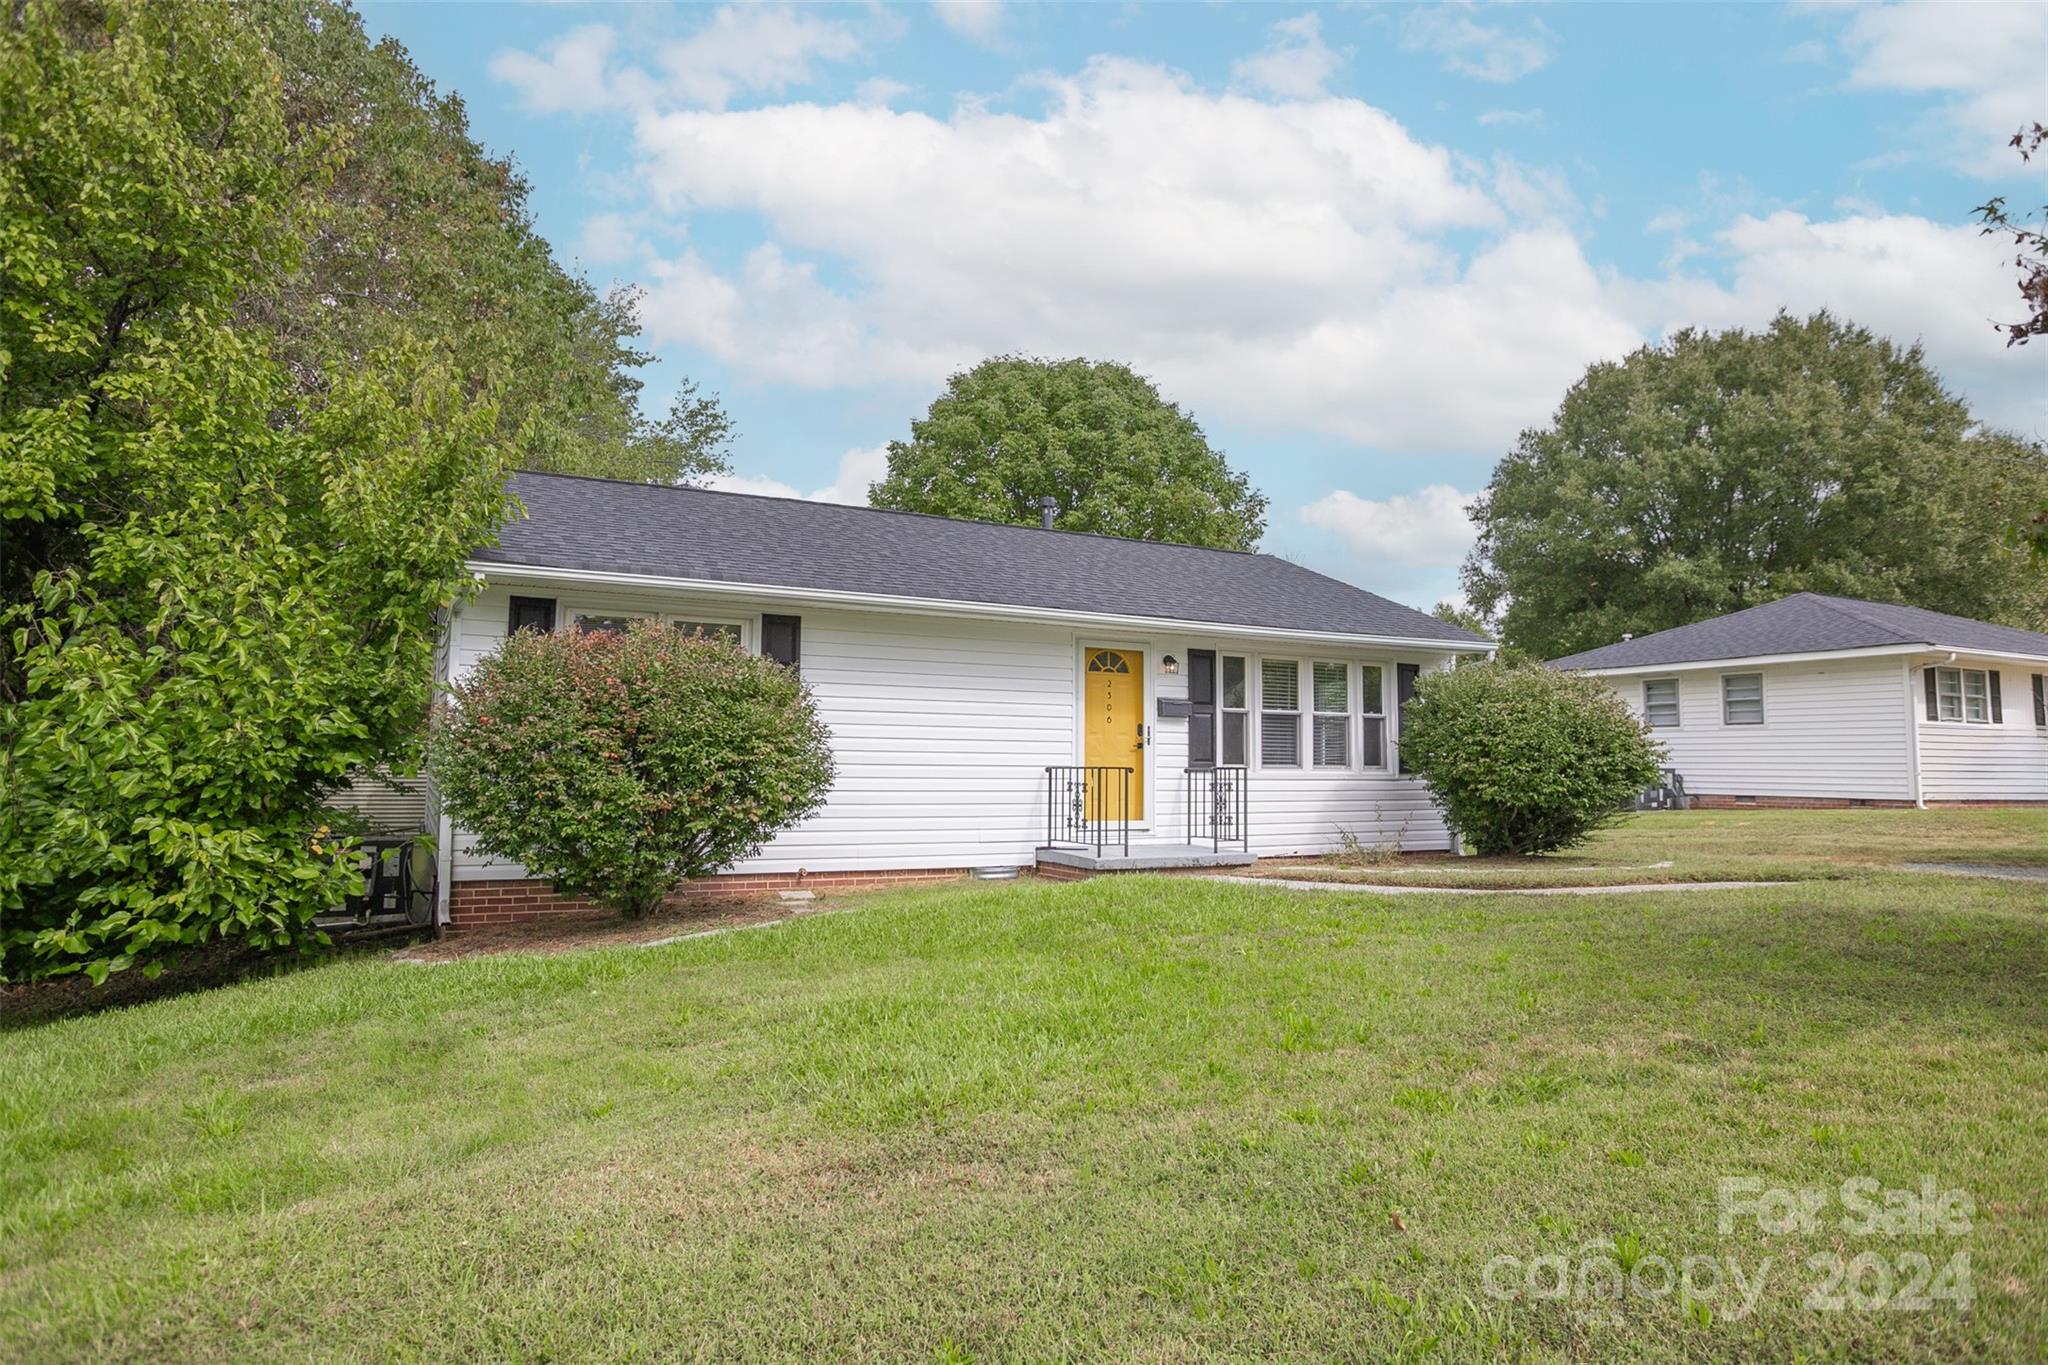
pixel 1201 708
pixel 782 639
pixel 532 613
pixel 2040 701
pixel 1933 705
pixel 1404 692
pixel 1997 702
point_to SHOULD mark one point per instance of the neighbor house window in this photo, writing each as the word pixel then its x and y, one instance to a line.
pixel 1372 717
pixel 2041 700
pixel 1742 698
pixel 1235 710
pixel 1660 702
pixel 1330 691
pixel 1962 695
pixel 1279 713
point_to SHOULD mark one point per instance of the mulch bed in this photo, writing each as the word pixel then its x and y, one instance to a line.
pixel 601 929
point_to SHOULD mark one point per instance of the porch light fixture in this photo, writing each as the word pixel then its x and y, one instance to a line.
pixel 1169 665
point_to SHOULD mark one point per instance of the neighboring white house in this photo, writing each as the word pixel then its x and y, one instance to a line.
pixel 1829 701
pixel 965 668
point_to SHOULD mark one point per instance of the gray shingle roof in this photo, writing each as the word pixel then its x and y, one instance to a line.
pixel 1808 623
pixel 602 526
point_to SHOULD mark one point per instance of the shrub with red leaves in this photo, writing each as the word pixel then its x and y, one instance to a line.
pixel 618 765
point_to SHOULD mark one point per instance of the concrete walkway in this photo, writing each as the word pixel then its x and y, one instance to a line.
pixel 1384 889
pixel 1998 870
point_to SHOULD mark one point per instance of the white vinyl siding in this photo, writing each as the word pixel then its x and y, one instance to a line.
pixel 1279 713
pixel 1966 759
pixel 1660 703
pixel 942 728
pixel 1837 728
pixel 1742 699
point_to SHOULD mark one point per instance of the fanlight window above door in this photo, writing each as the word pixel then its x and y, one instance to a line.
pixel 1107 661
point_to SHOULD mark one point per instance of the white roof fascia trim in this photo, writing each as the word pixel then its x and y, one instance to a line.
pixel 1757 660
pixel 932 606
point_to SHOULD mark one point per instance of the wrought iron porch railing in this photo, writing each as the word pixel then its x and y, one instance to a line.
pixel 1088 808
pixel 1219 807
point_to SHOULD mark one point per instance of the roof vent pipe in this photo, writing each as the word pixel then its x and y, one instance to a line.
pixel 1048 506
pixel 1627 635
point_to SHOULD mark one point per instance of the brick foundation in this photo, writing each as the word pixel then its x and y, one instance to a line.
pixel 1707 801
pixel 1710 801
pixel 474 904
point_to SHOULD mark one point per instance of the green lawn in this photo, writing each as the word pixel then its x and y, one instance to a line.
pixel 1730 845
pixel 1134 1118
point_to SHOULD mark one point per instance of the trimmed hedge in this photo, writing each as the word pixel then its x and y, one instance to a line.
pixel 1526 759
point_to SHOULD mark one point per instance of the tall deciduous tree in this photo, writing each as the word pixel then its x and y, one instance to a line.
pixel 218 585
pixel 1720 470
pixel 1097 438
pixel 425 235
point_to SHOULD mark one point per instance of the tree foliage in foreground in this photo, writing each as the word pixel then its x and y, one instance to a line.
pixel 1722 470
pixel 423 235
pixel 2029 233
pixel 618 765
pixel 1116 458
pixel 220 585
pixel 1525 759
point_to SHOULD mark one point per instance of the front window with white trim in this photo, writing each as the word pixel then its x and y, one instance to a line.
pixel 1330 693
pixel 1962 695
pixel 1279 713
pixel 1660 702
pixel 587 621
pixel 1372 717
pixel 1742 698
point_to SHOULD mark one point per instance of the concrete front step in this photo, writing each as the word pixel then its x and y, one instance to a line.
pixel 1144 858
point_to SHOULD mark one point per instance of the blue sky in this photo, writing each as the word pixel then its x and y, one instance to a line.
pixel 1364 245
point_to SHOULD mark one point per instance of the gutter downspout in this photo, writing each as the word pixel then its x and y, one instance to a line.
pixel 444 828
pixel 1913 707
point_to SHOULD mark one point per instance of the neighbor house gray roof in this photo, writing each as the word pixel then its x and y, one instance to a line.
pixel 607 527
pixel 1809 623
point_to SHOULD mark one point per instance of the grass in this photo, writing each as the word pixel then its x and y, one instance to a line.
pixel 1135 1118
pixel 1726 845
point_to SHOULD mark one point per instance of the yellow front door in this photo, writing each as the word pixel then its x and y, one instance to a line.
pixel 1114 733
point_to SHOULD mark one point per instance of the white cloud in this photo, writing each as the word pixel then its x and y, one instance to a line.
pixel 570 75
pixel 1903 277
pixel 1295 64
pixel 978 21
pixel 1989 58
pixel 610 237
pixel 1487 52
pixel 880 90
pixel 740 49
pixel 1300 263
pixel 1424 529
pixel 857 469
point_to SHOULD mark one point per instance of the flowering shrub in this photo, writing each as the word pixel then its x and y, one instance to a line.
pixel 1525 759
pixel 618 765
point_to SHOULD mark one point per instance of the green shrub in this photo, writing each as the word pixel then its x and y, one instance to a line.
pixel 1525 759
pixel 617 765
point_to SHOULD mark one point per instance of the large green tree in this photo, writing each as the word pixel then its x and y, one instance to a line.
pixel 423 234
pixel 1720 470
pixel 1097 438
pixel 218 583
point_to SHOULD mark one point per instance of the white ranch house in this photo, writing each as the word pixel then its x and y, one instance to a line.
pixel 1830 701
pixel 993 692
